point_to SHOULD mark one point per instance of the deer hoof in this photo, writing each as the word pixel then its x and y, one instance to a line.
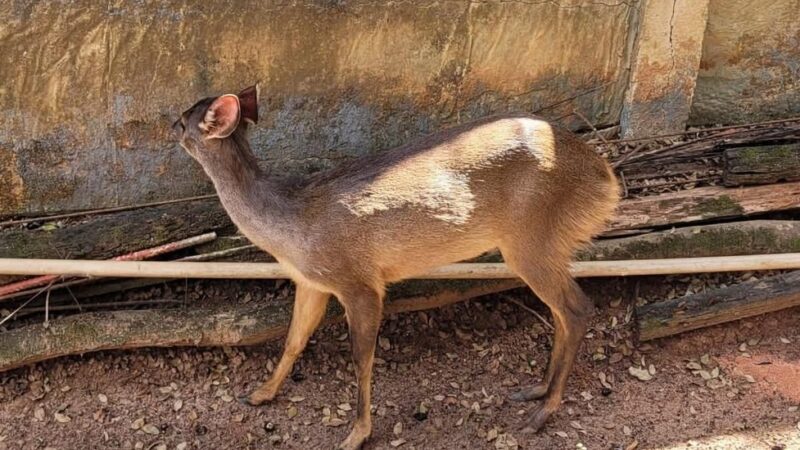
pixel 355 440
pixel 528 393
pixel 538 416
pixel 252 400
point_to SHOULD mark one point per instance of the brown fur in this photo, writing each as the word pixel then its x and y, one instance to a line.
pixel 518 184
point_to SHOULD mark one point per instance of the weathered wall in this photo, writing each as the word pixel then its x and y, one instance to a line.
pixel 91 89
pixel 664 69
pixel 750 69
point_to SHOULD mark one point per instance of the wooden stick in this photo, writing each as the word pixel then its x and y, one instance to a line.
pixel 705 130
pixel 131 284
pixel 13 290
pixel 717 306
pixel 170 269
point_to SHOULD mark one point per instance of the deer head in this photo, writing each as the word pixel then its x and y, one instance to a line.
pixel 203 127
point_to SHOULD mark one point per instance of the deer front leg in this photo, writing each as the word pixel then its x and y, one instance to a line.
pixel 309 309
pixel 364 314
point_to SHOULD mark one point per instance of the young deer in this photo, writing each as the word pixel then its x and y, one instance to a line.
pixel 518 184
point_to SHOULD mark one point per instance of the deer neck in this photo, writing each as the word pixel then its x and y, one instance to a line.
pixel 259 206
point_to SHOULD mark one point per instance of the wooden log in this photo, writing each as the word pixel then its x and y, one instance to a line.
pixel 106 236
pixel 704 204
pixel 761 165
pixel 110 235
pixel 718 306
pixel 91 332
pixel 723 239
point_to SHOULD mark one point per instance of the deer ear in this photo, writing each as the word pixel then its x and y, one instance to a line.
pixel 222 117
pixel 248 99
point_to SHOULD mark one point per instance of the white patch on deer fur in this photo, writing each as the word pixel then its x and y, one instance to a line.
pixel 537 136
pixel 439 182
pixel 444 193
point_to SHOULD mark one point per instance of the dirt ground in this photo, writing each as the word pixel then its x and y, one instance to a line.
pixel 441 382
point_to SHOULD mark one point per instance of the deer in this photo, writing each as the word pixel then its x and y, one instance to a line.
pixel 514 183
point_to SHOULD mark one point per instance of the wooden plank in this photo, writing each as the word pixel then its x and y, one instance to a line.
pixel 761 165
pixel 718 306
pixel 706 203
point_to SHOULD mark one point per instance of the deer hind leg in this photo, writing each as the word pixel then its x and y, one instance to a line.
pixel 547 275
pixel 309 309
pixel 364 310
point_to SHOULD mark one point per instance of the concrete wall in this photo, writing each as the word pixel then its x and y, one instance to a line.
pixel 92 89
pixel 89 90
pixel 750 68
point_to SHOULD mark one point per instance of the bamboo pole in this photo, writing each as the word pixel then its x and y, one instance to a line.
pixel 14 289
pixel 171 269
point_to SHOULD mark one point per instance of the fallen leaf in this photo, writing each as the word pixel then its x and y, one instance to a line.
pixel 694 366
pixel 151 429
pixel 743 347
pixel 491 435
pixel 749 378
pixel 603 380
pixel 398 428
pixel 296 399
pixel 562 434
pixel 627 430
pixel 62 418
pixel 102 397
pixel 640 374
pixel 291 411
pixel 335 422
pixel 506 441
pixel 345 407
pixel 785 340
pixel 397 442
pixel 177 405
pixel 137 424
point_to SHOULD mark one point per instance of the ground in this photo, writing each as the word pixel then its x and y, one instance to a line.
pixel 441 381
